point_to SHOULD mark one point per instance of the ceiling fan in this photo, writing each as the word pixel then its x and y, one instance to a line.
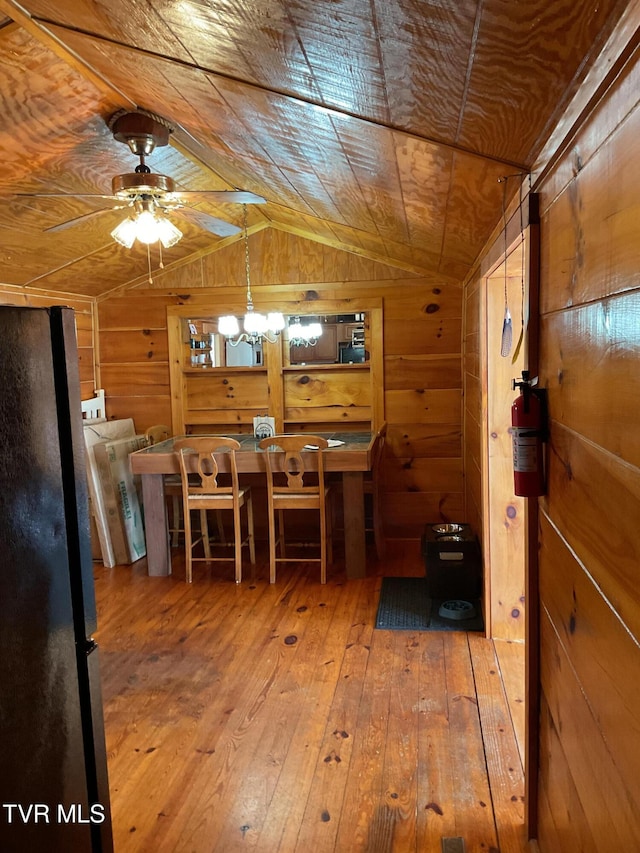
pixel 147 195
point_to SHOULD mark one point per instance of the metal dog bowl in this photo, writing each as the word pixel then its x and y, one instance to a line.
pixel 450 537
pixel 448 528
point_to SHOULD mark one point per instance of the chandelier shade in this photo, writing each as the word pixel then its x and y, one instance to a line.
pixel 228 326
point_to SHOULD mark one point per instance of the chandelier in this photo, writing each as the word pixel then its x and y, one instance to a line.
pixel 304 335
pixel 147 226
pixel 256 326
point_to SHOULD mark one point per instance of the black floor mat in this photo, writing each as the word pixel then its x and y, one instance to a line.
pixel 405 606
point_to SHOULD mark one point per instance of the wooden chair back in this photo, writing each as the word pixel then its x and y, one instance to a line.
pixel 157 433
pixel 287 471
pixel 205 465
pixel 93 410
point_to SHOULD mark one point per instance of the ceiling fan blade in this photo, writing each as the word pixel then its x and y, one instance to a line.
pixel 70 222
pixel 210 223
pixel 223 196
pixel 65 195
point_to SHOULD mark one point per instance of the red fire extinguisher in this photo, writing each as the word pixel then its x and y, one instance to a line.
pixel 528 419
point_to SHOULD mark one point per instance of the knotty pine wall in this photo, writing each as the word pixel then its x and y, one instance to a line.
pixel 422 471
pixel 488 477
pixel 589 525
pixel 84 312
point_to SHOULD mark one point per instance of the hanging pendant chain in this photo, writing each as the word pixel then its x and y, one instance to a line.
pixel 246 260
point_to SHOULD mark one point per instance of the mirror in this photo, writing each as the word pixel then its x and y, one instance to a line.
pixel 208 348
pixel 325 339
pixel 306 339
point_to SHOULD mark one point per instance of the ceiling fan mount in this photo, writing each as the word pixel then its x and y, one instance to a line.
pixel 140 130
pixel 143 132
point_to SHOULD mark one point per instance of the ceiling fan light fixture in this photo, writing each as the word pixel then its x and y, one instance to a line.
pixel 168 234
pixel 146 227
pixel 125 233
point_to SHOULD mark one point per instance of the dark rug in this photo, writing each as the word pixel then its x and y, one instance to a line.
pixel 405 606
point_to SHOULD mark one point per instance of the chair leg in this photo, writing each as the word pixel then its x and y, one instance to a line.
pixel 283 552
pixel 323 543
pixel 252 540
pixel 221 536
pixel 272 544
pixel 188 547
pixel 237 535
pixel 204 529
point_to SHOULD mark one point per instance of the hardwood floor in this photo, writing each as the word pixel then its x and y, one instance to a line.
pixel 277 719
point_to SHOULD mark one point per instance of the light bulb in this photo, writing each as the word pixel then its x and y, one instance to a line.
pixel 146 227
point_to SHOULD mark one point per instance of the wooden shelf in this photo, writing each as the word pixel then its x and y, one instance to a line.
pixel 206 368
pixel 308 368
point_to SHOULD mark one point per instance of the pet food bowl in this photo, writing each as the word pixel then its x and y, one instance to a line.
pixel 457 609
pixel 448 528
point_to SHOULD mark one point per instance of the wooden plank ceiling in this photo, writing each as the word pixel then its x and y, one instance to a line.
pixel 378 126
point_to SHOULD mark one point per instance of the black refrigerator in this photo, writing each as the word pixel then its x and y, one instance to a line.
pixel 54 792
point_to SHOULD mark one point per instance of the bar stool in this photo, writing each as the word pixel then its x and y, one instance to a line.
pixel 291 485
pixel 202 490
pixel 173 490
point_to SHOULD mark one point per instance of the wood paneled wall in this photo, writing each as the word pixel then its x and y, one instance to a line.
pixel 472 417
pixel 422 355
pixel 589 547
pixel 84 311
pixel 497 515
pixel 590 518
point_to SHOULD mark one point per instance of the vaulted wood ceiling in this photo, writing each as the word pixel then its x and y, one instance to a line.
pixel 378 126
